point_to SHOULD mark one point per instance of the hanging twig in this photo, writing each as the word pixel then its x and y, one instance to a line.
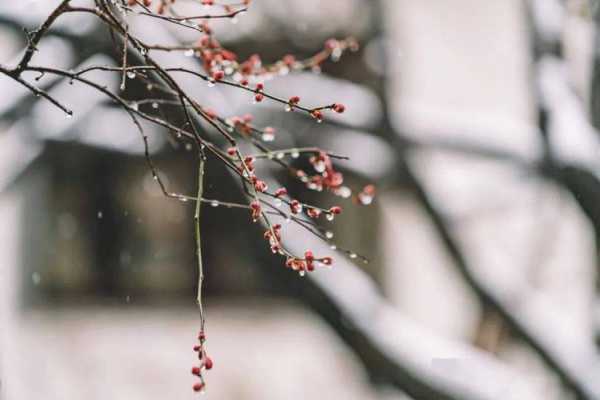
pixel 198 238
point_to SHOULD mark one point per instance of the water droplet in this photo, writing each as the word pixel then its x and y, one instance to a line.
pixel 36 278
pixel 211 83
pixel 122 87
pixel 336 54
pixel 280 155
pixel 155 105
pixel 188 146
pixel 353 255
pixel 333 247
pixel 134 105
pixel 329 234
pixel 365 199
pixel 100 215
pixel 319 166
pixel 131 74
pixel 302 273
pixel 268 137
pixel 344 192
pixel 69 115
pixel 330 216
pixel 214 203
pixel 288 108
pixel 155 177
pixel 127 299
pixel 189 53
pixel 295 154
pixel 277 202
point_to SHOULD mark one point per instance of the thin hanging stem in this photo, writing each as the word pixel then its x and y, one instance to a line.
pixel 198 242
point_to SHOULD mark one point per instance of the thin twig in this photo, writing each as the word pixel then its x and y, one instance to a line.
pixel 198 238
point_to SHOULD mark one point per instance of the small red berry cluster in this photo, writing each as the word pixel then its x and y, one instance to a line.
pixel 301 265
pixel 243 124
pixel 317 113
pixel 327 177
pixel 206 363
pixel 220 62
pixel 308 263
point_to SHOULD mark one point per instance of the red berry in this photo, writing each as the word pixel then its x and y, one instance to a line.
pixel 259 97
pixel 218 75
pixel 294 100
pixel 260 186
pixel 339 108
pixel 308 255
pixel 369 190
pixel 198 387
pixel 197 348
pixel 255 210
pixel 280 192
pixel 335 210
pixel 208 363
pixel 295 207
pixel 196 371
pixel 260 86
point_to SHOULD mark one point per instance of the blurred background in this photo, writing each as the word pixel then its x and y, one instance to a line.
pixel 478 122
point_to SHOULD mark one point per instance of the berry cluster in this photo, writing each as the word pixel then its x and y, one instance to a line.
pixel 206 363
pixel 308 263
